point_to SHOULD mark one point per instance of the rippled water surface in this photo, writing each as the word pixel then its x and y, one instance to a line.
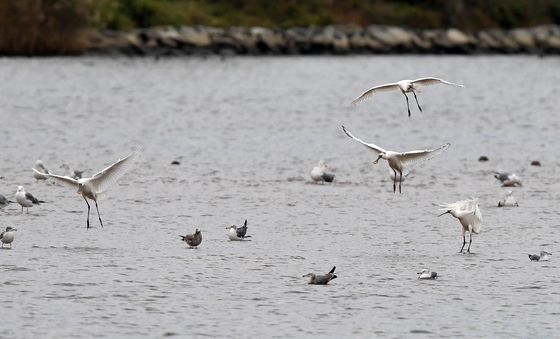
pixel 247 131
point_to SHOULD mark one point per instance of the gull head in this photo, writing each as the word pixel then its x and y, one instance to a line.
pixel 20 189
pixel 10 229
pixel 381 155
pixel 39 164
pixel 545 252
pixel 423 271
pixel 230 227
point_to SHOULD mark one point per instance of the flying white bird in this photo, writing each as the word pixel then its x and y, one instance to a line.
pixel 469 216
pixel 398 160
pixel 40 174
pixel 319 173
pixel 405 86
pixel 25 199
pixel 90 188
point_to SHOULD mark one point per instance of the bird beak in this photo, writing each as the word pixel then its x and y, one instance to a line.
pixel 444 213
pixel 14 229
pixel 377 160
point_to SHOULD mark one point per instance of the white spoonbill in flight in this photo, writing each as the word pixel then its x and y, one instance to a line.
pixel 90 188
pixel 405 86
pixel 469 216
pixel 398 160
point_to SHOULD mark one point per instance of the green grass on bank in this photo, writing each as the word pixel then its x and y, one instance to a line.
pixel 55 26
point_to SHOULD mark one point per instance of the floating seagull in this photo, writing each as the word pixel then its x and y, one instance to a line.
pixel 41 170
pixel 321 279
pixel 4 201
pixel 397 160
pixel 426 274
pixel 508 201
pixel 90 188
pixel 508 179
pixel 238 233
pixel 194 239
pixel 25 199
pixel 543 257
pixel 469 216
pixel 405 86
pixel 72 173
pixel 319 173
pixel 8 236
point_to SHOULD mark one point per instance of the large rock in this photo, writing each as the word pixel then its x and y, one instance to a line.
pixel 268 41
pixel 523 38
pixel 392 38
pixel 195 37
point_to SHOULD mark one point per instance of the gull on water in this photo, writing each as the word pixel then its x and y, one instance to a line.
pixel 72 173
pixel 543 257
pixel 91 188
pixel 315 279
pixel 41 170
pixel 319 173
pixel 238 233
pixel 426 274
pixel 508 179
pixel 193 240
pixel 469 216
pixel 4 201
pixel 398 161
pixel 508 201
pixel 25 199
pixel 405 86
pixel 8 236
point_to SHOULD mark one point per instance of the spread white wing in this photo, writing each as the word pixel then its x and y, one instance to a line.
pixel 412 157
pixel 107 177
pixel 371 91
pixel 371 147
pixel 433 81
pixel 63 180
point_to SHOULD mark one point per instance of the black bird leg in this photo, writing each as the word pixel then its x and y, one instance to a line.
pixel 464 242
pixel 97 208
pixel 87 212
pixel 407 105
pixel 470 241
pixel 395 182
pixel 400 182
pixel 420 108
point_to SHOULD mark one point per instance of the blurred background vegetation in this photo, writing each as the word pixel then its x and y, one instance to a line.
pixel 44 26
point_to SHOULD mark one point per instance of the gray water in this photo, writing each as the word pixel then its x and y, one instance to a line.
pixel 247 131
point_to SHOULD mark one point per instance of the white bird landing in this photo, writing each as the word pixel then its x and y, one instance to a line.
pixel 469 216
pixel 405 86
pixel 90 188
pixel 398 160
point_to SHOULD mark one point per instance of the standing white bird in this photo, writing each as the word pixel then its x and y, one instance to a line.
pixel 8 236
pixel 319 173
pixel 25 199
pixel 398 160
pixel 405 86
pixel 90 188
pixel 508 201
pixel 41 170
pixel 469 216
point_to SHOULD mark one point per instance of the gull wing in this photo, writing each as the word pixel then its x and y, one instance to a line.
pixel 368 93
pixel 433 81
pixel 421 155
pixel 63 180
pixel 371 147
pixel 108 176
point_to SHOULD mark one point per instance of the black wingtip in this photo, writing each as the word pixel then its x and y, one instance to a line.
pixel 334 277
pixel 245 223
pixel 332 271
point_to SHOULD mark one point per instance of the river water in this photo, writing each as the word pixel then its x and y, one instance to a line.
pixel 247 132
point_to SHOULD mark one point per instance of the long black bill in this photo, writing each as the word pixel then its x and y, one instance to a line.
pixel 444 213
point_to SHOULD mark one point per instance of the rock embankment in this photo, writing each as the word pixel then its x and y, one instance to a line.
pixel 324 40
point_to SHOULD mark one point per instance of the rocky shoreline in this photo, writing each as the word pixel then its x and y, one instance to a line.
pixel 200 40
